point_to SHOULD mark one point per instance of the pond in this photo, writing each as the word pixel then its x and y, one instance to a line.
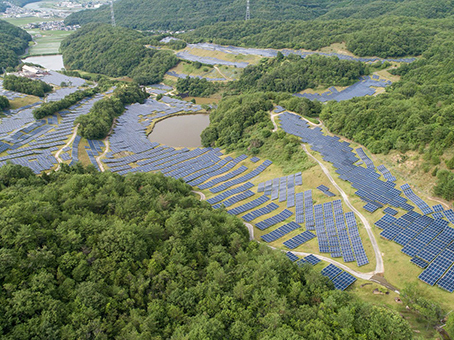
pixel 181 130
pixel 51 62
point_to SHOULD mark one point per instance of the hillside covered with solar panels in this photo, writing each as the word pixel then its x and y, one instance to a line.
pixel 318 195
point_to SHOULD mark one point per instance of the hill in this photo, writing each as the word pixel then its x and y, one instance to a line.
pixel 98 255
pixel 115 52
pixel 13 43
pixel 188 14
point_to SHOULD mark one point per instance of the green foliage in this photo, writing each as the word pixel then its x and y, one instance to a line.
pixel 418 110
pixel 294 74
pixel 25 85
pixel 3 7
pixel 450 163
pixel 233 116
pixel 382 37
pixel 50 108
pixel 303 106
pixel 116 52
pixel 13 42
pixel 187 14
pixel 429 310
pixel 4 103
pixel 196 87
pixel 86 254
pixel 98 122
pixel 445 185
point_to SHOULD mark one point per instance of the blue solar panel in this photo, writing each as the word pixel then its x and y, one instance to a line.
pixel 312 259
pixel 292 256
pixel 331 271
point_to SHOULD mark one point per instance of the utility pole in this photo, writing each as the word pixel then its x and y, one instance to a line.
pixel 248 12
pixel 112 13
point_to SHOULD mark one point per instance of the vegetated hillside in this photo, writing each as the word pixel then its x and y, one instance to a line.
pixel 25 85
pixel 116 52
pixel 187 14
pixel 416 113
pixel 382 37
pixel 293 73
pixel 97 255
pixel 13 42
pixel 3 7
pixel 22 3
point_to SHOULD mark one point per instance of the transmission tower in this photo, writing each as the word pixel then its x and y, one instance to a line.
pixel 248 12
pixel 112 14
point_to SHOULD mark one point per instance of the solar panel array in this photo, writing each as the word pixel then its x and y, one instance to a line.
pixel 341 279
pixel 280 232
pixel 280 217
pixel 365 180
pixel 386 173
pixel 260 212
pixel 299 239
pixel 248 206
pixel 325 190
pixel 282 188
pixel 416 200
pixel 31 142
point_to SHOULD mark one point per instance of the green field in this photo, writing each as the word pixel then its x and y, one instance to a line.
pixel 47 43
pixel 24 21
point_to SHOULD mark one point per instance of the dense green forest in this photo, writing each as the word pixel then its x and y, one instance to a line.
pixel 25 85
pixel 187 14
pixel 196 87
pixel 3 7
pixel 116 52
pixel 382 37
pixel 241 123
pixel 90 255
pixel 4 103
pixel 13 42
pixel 293 74
pixel 49 108
pixel 98 122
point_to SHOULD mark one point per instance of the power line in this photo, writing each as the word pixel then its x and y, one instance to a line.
pixel 112 14
pixel 248 12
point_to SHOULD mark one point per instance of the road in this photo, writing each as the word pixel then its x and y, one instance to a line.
pixel 98 159
pixel 57 155
pixel 379 266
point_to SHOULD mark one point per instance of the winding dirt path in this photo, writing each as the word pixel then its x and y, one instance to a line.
pixel 98 159
pixel 364 276
pixel 379 266
pixel 57 155
pixel 222 74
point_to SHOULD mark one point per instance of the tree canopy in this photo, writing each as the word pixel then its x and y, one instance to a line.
pixel 13 43
pixel 189 14
pixel 97 255
pixel 116 52
pixel 4 103
pixel 25 85
pixel 98 122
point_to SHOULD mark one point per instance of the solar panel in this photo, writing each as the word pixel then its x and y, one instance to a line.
pixel 312 259
pixel 331 271
pixel 343 281
pixel 292 256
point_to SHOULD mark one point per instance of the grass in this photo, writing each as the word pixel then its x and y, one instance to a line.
pixel 24 21
pixel 47 43
pixel 251 59
pixel 83 156
pixel 21 102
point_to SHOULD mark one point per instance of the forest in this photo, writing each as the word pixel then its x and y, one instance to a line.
pixel 49 108
pixel 4 103
pixel 87 254
pixel 98 122
pixel 382 37
pixel 116 52
pixel 3 7
pixel 294 74
pixel 196 87
pixel 34 87
pixel 188 14
pixel 13 43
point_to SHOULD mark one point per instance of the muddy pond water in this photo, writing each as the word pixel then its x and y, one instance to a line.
pixel 181 130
